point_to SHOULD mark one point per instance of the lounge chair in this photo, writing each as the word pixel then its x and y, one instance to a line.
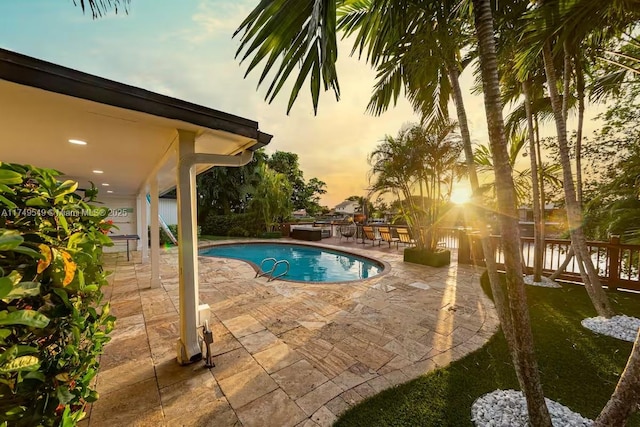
pixel 405 237
pixel 385 234
pixel 369 234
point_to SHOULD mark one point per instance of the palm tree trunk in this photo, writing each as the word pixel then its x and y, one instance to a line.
pixel 522 353
pixel 542 193
pixel 563 266
pixel 580 92
pixel 538 245
pixel 566 80
pixel 625 399
pixel 477 215
pixel 574 212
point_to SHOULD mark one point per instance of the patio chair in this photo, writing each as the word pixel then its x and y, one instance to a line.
pixel 385 234
pixel 405 237
pixel 370 234
pixel 347 231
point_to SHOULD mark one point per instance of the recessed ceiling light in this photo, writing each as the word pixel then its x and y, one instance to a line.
pixel 109 191
pixel 104 184
pixel 98 171
pixel 78 142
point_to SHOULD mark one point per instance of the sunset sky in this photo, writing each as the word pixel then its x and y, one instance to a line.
pixel 184 49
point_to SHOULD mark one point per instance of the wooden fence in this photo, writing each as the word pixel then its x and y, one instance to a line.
pixel 618 264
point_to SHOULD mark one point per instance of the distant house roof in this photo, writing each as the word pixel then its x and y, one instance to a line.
pixel 344 204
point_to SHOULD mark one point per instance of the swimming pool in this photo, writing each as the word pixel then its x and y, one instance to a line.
pixel 307 263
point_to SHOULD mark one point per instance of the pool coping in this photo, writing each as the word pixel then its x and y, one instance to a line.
pixel 386 267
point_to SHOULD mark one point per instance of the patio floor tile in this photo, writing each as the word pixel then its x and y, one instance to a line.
pixel 299 379
pixel 247 386
pixel 275 409
pixel 277 357
pixel 128 373
pixel 316 398
pixel 178 398
pixel 134 405
pixel 259 341
pixel 231 363
pixel 243 325
pixel 324 417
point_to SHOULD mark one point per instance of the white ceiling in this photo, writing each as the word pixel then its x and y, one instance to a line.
pixel 35 126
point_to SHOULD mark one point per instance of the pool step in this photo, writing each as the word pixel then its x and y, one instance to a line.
pixel 269 273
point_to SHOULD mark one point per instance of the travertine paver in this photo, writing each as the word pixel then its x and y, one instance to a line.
pixel 286 354
pixel 274 409
pixel 299 379
pixel 246 386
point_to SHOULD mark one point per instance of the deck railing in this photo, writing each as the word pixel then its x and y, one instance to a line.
pixel 618 264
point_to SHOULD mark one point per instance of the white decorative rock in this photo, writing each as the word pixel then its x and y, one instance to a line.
pixel 508 408
pixel 545 283
pixel 621 327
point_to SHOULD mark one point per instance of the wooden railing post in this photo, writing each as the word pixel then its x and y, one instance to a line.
pixel 464 247
pixel 614 263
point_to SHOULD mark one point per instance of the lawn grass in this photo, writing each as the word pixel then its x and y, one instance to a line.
pixel 578 368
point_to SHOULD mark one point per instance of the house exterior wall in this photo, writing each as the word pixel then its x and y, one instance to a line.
pixel 168 210
pixel 348 209
pixel 123 215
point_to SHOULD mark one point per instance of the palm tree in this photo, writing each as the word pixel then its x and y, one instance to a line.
pixel 574 211
pixel 422 157
pixel 307 35
pixel 523 355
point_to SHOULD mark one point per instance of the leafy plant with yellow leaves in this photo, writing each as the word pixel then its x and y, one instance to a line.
pixel 53 324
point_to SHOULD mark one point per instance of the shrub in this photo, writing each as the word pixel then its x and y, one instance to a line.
pixel 52 322
pixel 221 225
pixel 271 235
pixel 238 232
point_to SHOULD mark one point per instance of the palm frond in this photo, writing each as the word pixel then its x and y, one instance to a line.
pixel 100 8
pixel 301 32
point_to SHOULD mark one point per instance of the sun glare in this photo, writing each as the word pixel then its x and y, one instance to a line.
pixel 460 196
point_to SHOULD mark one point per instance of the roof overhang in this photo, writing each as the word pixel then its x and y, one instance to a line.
pixel 129 131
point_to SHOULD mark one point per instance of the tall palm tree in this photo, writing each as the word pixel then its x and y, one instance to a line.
pixel 523 353
pixel 307 35
pixel 422 157
pixel 574 212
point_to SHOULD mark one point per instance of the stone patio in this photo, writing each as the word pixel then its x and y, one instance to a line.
pixel 286 354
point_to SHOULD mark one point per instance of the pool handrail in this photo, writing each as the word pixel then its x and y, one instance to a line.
pixel 272 277
pixel 261 272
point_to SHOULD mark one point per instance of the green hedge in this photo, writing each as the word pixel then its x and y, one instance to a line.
pixel 234 225
pixel 53 324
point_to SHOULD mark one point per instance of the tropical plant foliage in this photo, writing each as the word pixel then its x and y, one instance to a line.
pixel 613 159
pixel 424 160
pixel 271 201
pixel 223 191
pixel 53 324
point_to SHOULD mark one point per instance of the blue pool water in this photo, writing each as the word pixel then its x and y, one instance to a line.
pixel 308 263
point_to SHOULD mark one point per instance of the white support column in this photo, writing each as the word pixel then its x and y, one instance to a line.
pixel 189 343
pixel 139 207
pixel 155 234
pixel 144 225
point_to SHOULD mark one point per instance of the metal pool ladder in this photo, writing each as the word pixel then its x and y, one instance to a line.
pixel 269 273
